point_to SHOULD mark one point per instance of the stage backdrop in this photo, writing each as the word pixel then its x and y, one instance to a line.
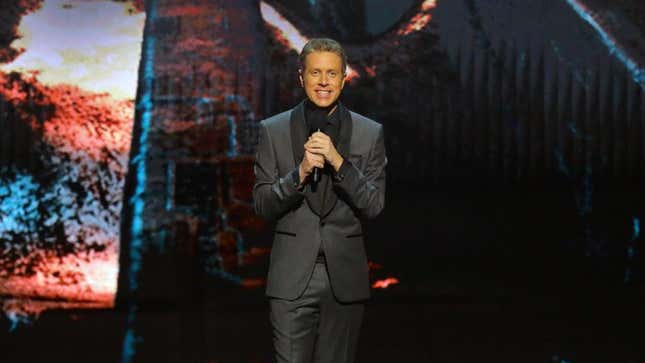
pixel 68 79
pixel 127 136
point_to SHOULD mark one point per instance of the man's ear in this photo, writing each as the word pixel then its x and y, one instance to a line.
pixel 302 82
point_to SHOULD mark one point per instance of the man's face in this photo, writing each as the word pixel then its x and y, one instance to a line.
pixel 323 77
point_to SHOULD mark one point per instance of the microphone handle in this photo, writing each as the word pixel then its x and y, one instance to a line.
pixel 316 176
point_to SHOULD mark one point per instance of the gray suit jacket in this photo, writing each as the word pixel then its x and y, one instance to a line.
pixel 357 192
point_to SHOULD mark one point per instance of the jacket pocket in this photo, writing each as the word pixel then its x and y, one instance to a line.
pixel 354 235
pixel 285 233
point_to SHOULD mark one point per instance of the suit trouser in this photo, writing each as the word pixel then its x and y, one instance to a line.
pixel 315 327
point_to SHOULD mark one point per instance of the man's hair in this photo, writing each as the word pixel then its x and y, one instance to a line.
pixel 322 45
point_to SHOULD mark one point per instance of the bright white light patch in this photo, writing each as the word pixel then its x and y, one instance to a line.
pixel 94 45
pixel 290 32
pixel 293 35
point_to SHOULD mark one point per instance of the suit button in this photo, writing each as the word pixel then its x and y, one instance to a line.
pixel 322 224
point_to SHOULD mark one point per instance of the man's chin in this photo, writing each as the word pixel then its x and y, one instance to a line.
pixel 322 103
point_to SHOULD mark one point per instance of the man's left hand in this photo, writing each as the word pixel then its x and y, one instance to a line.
pixel 321 144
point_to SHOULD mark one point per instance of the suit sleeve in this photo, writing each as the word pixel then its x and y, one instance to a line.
pixel 366 191
pixel 273 195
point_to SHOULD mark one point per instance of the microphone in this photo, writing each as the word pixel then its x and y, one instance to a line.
pixel 316 171
pixel 317 122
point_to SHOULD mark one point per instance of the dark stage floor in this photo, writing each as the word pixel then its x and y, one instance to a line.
pixel 472 317
pixel 518 293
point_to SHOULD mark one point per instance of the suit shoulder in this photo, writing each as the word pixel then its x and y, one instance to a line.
pixel 277 120
pixel 364 123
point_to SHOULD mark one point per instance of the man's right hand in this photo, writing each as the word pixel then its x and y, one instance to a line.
pixel 308 163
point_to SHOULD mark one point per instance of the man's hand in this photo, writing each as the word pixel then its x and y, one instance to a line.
pixel 320 144
pixel 308 163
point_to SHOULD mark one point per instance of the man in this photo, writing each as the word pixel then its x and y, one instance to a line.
pixel 318 274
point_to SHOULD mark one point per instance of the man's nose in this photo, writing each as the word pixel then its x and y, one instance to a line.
pixel 323 79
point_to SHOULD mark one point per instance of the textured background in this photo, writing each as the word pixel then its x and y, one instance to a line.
pixel 515 133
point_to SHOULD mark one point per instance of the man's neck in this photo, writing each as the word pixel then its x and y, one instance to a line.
pixel 328 110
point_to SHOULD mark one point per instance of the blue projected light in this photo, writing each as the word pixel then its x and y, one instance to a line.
pixel 631 249
pixel 17 319
pixel 18 205
pixel 638 74
pixel 139 162
pixel 232 138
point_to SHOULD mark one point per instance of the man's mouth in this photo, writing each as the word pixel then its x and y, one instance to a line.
pixel 323 93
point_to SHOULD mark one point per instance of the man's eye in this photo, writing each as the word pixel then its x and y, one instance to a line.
pixel 332 74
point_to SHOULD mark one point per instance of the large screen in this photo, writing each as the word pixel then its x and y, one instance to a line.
pixel 128 132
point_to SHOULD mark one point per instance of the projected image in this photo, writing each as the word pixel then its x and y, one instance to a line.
pixel 68 79
pixel 515 140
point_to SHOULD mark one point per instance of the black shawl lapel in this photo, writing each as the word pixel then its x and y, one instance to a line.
pixel 298 133
pixel 345 134
pixel 343 148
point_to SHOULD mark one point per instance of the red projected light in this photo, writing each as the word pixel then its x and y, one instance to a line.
pixel 420 19
pixel 385 283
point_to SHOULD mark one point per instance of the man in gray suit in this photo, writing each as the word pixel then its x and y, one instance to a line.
pixel 318 274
